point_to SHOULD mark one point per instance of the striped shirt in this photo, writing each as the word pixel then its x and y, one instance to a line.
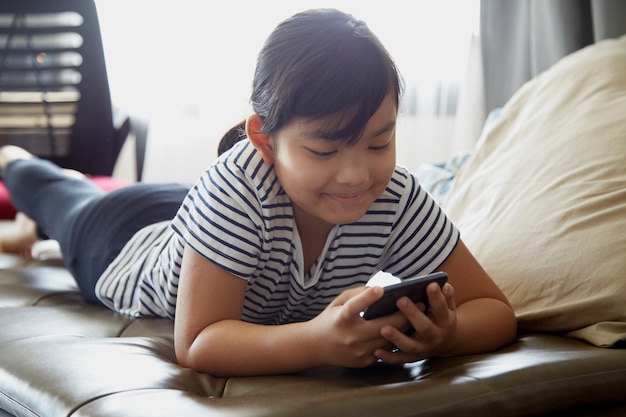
pixel 238 216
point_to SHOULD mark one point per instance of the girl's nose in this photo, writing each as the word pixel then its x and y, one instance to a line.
pixel 353 168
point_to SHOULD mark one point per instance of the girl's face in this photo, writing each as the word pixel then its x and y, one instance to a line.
pixel 328 181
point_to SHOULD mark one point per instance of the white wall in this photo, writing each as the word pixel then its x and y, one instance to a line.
pixel 187 66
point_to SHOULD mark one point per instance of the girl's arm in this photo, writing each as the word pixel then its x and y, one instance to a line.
pixel 210 336
pixel 469 315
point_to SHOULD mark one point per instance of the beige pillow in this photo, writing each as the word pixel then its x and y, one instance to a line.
pixel 542 202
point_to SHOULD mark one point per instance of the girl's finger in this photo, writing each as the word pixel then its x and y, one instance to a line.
pixel 359 302
pixel 439 303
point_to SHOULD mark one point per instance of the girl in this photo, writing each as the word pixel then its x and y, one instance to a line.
pixel 263 264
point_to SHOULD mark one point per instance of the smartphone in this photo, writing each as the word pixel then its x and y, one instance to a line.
pixel 414 288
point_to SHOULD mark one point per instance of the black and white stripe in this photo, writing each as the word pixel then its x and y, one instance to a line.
pixel 238 216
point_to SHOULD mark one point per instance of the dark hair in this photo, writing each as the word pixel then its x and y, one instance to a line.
pixel 316 64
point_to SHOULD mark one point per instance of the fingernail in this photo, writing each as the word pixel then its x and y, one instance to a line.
pixel 403 302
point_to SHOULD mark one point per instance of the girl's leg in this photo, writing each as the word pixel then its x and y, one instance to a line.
pixel 90 225
pixel 45 193
pixel 105 225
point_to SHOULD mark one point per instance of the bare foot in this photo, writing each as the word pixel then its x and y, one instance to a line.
pixel 10 153
pixel 18 236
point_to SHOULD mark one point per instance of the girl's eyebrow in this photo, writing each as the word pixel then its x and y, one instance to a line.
pixel 387 128
pixel 327 135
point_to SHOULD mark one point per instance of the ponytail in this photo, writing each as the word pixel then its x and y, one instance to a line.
pixel 234 135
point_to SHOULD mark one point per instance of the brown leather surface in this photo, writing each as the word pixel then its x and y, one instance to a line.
pixel 61 356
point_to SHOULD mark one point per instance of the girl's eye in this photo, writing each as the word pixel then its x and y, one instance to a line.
pixel 321 154
pixel 380 148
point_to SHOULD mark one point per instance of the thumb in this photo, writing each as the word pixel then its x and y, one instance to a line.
pixel 360 300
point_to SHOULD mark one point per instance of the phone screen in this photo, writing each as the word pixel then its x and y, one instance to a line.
pixel 414 288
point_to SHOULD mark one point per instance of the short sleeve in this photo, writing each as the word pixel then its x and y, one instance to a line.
pixel 423 236
pixel 220 219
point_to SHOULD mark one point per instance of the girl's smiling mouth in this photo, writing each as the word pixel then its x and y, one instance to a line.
pixel 348 199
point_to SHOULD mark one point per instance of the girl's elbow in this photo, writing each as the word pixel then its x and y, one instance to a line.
pixel 508 327
pixel 183 356
pixel 188 357
pixel 513 327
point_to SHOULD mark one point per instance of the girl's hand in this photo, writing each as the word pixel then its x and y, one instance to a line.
pixel 433 332
pixel 340 336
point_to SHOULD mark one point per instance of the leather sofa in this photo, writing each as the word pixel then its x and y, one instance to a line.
pixel 60 356
pixel 541 203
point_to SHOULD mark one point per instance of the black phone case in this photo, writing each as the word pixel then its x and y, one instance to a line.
pixel 414 288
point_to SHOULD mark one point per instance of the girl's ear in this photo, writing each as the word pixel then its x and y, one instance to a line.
pixel 261 141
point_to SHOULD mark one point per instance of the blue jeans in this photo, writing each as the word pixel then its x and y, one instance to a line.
pixel 91 225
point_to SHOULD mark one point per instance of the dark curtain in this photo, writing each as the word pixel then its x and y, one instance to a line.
pixel 521 38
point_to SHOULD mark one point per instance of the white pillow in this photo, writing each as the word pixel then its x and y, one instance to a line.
pixel 542 201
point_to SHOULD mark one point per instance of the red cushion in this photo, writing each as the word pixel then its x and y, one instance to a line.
pixel 109 183
pixel 7 211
